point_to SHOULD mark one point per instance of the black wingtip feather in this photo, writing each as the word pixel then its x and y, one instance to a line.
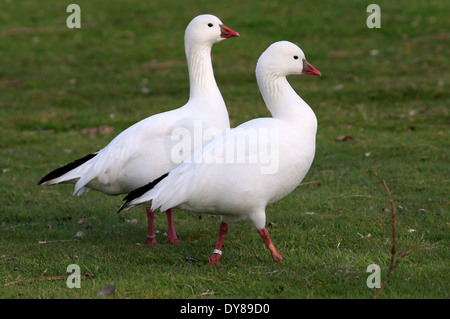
pixel 66 168
pixel 141 191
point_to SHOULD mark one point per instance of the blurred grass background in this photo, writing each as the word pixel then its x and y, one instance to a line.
pixel 382 106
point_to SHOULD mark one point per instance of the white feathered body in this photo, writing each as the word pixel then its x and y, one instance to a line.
pixel 143 151
pixel 240 183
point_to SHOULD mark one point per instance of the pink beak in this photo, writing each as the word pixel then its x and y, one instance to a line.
pixel 227 32
pixel 309 69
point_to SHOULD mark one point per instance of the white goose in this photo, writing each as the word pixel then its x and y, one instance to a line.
pixel 239 173
pixel 144 151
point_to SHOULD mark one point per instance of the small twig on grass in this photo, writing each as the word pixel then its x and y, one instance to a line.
pixel 56 241
pixel 394 262
pixel 34 279
pixel 44 278
pixel 351 196
pixel 208 292
pixel 315 183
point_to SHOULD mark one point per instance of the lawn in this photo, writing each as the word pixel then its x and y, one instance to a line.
pixel 382 107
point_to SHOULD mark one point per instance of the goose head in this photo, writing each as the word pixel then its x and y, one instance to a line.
pixel 284 58
pixel 207 29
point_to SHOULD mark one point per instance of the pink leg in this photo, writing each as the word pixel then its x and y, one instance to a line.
pixel 151 237
pixel 214 259
pixel 264 233
pixel 172 237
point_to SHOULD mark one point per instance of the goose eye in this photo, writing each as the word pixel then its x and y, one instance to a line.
pixel 210 25
pixel 295 57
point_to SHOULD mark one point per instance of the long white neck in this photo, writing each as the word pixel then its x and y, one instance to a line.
pixel 201 74
pixel 284 103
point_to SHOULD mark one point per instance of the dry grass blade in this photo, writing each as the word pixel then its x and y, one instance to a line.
pixel 394 262
pixel 26 281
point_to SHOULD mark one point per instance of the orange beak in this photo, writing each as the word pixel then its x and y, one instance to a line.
pixel 309 69
pixel 226 32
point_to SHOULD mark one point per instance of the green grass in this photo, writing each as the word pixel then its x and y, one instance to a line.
pixel 387 89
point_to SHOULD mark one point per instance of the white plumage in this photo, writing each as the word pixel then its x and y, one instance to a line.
pixel 239 173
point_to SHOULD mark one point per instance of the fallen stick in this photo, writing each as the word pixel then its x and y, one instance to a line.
pixel 43 279
pixel 394 262
pixel 56 241
pixel 351 196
